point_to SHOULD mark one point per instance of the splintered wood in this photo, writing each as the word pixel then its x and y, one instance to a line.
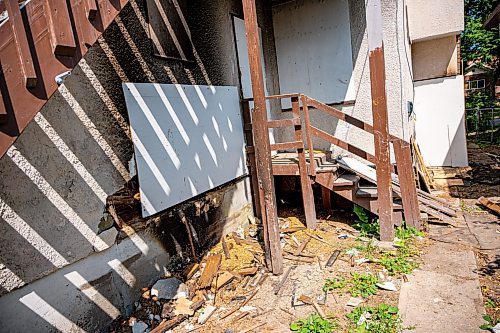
pixel 490 204
pixel 211 268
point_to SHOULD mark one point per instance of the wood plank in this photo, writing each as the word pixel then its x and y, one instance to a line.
pixel 305 180
pixel 210 271
pixel 307 121
pixel 91 9
pixel 59 24
pixel 380 117
pixel 339 114
pixel 342 144
pixel 489 204
pixel 3 111
pixel 326 197
pixel 287 145
pixel 274 256
pixel 21 42
pixel 402 151
pixel 295 121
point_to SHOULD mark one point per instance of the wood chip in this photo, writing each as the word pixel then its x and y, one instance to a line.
pixel 213 263
pixel 252 328
pixel 227 255
pixel 190 270
pixel 299 259
pixel 223 279
pixel 248 271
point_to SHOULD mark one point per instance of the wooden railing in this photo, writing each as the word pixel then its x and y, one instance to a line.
pixel 305 131
pixel 42 39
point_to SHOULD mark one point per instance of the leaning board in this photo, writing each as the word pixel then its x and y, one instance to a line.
pixel 187 139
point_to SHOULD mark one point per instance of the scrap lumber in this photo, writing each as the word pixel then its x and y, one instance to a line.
pixel 213 263
pixel 190 270
pixel 225 248
pixel 230 312
pixel 248 271
pixel 223 279
pixel 302 247
pixel 308 300
pixel 488 203
pixel 251 328
pixel 332 258
pixel 299 259
pixel 283 280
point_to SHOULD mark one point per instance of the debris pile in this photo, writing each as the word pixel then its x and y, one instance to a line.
pixel 230 290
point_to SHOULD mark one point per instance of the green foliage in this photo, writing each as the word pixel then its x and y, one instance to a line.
pixel 398 262
pixel 337 283
pixel 368 250
pixel 490 322
pixel 313 324
pixel 408 232
pixel 481 47
pixel 490 304
pixel 363 223
pixel 381 319
pixel 363 285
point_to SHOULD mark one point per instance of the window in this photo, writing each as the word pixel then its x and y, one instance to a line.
pixel 475 85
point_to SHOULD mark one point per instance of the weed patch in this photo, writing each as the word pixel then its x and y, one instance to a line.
pixel 381 319
pixel 313 324
pixel 337 283
pixel 363 285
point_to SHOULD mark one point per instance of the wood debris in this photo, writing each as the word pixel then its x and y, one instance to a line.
pixel 211 268
pixel 490 204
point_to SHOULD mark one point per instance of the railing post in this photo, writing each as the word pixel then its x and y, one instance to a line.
pixel 305 180
pixel 402 151
pixel 274 256
pixel 307 121
pixel 380 123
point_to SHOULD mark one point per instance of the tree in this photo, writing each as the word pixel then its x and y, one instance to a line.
pixel 481 47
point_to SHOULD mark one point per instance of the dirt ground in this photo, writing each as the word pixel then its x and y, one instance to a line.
pixel 276 309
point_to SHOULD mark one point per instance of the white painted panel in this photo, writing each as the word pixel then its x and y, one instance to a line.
pixel 187 139
pixel 440 121
pixel 313 45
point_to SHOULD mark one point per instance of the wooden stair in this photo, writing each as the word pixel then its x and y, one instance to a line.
pixel 332 178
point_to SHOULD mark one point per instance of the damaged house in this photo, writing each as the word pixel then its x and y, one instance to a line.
pixel 134 134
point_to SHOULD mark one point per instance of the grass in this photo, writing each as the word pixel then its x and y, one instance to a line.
pixel 398 263
pixel 380 319
pixel 313 324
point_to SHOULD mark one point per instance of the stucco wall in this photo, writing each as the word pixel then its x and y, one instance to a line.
pixel 433 19
pixel 435 58
pixel 55 179
pixel 440 121
pixel 398 80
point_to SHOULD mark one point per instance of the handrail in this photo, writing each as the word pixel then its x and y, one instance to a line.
pixel 310 130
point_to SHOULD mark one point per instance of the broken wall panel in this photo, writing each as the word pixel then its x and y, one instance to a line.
pixel 187 140
pixel 313 47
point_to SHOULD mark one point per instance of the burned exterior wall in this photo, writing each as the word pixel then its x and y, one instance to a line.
pixel 56 272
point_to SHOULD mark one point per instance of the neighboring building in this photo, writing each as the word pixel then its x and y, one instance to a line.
pixel 64 149
pixel 480 79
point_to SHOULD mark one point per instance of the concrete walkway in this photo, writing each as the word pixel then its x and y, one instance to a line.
pixel 444 295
